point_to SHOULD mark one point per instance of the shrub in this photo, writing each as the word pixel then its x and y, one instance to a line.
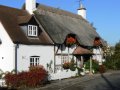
pixel 110 62
pixel 36 76
pixel 113 61
pixel 66 65
pixel 72 65
pixel 102 69
pixel 95 65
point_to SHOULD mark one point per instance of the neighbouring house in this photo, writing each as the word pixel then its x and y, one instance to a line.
pixel 42 35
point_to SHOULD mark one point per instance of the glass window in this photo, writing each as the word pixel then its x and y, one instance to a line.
pixel 32 30
pixel 65 59
pixel 34 60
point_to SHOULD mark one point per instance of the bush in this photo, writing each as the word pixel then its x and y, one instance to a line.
pixel 95 65
pixel 36 76
pixel 72 65
pixel 102 69
pixel 113 61
pixel 110 62
pixel 66 65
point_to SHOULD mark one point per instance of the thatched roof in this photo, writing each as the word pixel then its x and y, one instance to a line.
pixel 58 24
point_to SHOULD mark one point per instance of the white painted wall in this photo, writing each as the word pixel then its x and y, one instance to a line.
pixel 24 52
pixel 7 51
pixel 60 72
pixel 46 54
pixel 64 74
pixel 98 55
pixel 65 51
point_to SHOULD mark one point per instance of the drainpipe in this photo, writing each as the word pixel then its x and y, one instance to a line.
pixel 54 59
pixel 16 69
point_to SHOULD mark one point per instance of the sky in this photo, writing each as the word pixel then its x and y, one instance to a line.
pixel 104 14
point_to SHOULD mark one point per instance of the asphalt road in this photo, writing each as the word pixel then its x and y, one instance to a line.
pixel 99 82
pixel 111 82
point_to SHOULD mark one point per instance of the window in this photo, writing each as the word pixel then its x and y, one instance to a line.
pixel 64 59
pixel 32 30
pixel 34 60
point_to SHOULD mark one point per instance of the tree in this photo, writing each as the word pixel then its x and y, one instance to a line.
pixel 113 61
pixel 116 55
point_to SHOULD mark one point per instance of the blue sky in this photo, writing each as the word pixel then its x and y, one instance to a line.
pixel 105 14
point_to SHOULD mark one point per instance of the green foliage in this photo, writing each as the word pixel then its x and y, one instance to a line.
pixel 95 65
pixel 113 61
pixel 110 62
pixel 72 65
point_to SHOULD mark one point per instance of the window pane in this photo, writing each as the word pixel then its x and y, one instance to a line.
pixel 32 30
pixel 30 59
pixel 34 60
pixel 35 32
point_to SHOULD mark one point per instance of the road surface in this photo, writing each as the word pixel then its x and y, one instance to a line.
pixel 99 82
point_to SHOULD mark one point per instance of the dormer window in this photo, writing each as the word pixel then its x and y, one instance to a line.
pixel 32 30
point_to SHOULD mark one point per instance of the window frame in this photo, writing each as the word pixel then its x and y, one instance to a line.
pixel 32 30
pixel 34 60
pixel 64 59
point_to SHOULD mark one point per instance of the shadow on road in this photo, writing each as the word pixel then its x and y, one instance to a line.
pixel 109 83
pixel 4 88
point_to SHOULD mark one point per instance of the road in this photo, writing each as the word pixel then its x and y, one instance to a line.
pixel 103 82
pixel 99 82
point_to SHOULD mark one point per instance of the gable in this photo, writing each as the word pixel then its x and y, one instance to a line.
pixel 11 21
pixel 32 22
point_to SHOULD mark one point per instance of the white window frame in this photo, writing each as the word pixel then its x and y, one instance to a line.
pixel 34 60
pixel 64 59
pixel 32 30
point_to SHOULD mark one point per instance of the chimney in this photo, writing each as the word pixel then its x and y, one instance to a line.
pixel 82 11
pixel 30 6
